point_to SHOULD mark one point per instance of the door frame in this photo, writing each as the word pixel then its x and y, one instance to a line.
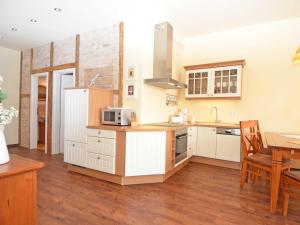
pixel 33 110
pixel 56 110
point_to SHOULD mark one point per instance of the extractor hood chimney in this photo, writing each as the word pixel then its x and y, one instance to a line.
pixel 162 58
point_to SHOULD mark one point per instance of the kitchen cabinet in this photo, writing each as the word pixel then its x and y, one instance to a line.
pixel 82 108
pixel 101 162
pixel 75 153
pixel 206 142
pixel 192 141
pixel 145 153
pixel 214 82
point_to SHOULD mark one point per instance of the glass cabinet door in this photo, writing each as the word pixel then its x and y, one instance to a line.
pixel 226 81
pixel 198 83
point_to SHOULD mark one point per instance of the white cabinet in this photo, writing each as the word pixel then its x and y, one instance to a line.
pixel 206 142
pixel 75 153
pixel 228 148
pixel 192 141
pixel 101 148
pixel 100 162
pixel 214 82
pixel 76 103
pixel 145 153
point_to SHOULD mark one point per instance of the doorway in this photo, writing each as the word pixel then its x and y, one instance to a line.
pixel 61 79
pixel 38 111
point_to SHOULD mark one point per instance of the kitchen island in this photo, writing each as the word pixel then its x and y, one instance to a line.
pixel 135 154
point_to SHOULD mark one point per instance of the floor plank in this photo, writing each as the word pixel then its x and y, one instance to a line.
pixel 198 194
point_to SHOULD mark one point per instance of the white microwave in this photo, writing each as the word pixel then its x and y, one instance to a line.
pixel 116 116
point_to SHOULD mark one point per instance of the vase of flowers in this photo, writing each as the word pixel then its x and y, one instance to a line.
pixel 6 116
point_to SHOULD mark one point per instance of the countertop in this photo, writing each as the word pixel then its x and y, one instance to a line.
pixel 149 127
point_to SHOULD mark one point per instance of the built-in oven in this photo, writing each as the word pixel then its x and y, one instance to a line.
pixel 181 144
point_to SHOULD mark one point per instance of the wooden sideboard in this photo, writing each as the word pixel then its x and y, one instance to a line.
pixel 18 191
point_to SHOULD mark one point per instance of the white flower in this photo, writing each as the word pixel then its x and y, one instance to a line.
pixel 6 115
pixel 1 80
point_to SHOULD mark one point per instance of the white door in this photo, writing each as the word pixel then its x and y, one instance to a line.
pixel 76 103
pixel 206 142
pixel 66 82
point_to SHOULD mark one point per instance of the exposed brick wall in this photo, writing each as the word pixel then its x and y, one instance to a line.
pixel 64 51
pixel 41 57
pixel 99 53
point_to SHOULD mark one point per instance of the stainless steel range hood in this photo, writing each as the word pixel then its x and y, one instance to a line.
pixel 162 58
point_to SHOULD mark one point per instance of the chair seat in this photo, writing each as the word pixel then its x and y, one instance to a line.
pixel 295 174
pixel 266 160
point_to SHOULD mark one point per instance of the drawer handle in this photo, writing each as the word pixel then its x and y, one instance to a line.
pixel 99 132
pixel 99 141
pixel 73 145
pixel 98 157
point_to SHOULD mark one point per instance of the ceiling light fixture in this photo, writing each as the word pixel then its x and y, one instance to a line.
pixel 57 9
pixel 14 29
pixel 33 20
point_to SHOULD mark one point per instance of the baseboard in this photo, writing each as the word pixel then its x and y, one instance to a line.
pixel 216 162
pixel 13 145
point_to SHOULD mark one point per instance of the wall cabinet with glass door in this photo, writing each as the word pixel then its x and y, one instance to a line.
pixel 214 82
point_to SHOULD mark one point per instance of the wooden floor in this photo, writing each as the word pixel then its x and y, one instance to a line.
pixel 198 194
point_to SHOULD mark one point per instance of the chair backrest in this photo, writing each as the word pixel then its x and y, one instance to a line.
pixel 251 139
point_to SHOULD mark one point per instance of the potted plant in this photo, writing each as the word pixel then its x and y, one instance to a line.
pixel 6 116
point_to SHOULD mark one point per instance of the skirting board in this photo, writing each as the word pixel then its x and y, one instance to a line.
pixel 216 162
pixel 126 180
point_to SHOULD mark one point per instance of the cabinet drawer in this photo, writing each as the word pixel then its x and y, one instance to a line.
pixel 101 163
pixel 105 146
pixel 101 133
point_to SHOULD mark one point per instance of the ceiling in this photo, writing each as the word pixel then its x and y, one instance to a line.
pixel 188 17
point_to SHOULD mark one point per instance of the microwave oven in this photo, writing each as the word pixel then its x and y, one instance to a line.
pixel 116 116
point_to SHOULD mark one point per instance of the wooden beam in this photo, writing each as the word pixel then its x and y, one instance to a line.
pixel 30 70
pixel 121 62
pixel 53 68
pixel 77 54
pixel 241 62
pixel 49 106
pixel 20 96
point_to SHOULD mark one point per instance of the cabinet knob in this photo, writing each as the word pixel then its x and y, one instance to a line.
pixel 99 132
pixel 99 141
pixel 73 145
pixel 98 157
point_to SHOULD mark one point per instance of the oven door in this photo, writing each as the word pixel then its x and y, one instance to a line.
pixel 181 147
pixel 109 117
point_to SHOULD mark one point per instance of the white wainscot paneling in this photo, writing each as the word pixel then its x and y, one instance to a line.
pixel 145 153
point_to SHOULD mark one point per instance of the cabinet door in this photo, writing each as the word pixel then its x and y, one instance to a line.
pixel 75 153
pixel 192 141
pixel 226 81
pixel 228 148
pixel 198 82
pixel 206 142
pixel 76 115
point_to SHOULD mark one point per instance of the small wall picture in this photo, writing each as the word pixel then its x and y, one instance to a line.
pixel 131 90
pixel 131 73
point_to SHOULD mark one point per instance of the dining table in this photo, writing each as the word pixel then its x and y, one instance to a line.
pixel 282 145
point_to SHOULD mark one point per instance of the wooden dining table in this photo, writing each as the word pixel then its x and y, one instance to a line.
pixel 282 145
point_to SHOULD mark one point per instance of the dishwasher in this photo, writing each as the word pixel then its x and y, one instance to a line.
pixel 228 144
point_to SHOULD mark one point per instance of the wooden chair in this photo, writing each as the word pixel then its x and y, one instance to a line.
pixel 291 182
pixel 254 161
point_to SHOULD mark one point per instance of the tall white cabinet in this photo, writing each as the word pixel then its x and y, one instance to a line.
pixel 82 108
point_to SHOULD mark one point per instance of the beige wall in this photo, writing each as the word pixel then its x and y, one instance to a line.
pixel 270 85
pixel 10 70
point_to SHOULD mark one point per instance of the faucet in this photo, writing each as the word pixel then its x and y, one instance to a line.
pixel 216 109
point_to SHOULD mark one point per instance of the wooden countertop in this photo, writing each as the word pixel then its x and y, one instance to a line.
pixel 18 164
pixel 149 127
